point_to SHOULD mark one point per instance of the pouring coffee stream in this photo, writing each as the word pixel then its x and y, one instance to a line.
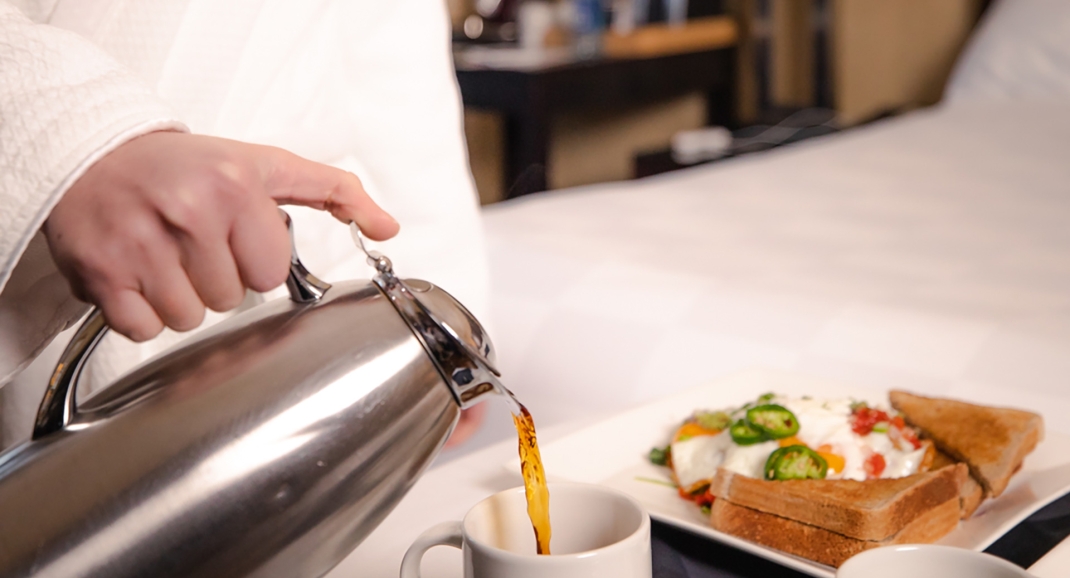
pixel 538 495
pixel 531 467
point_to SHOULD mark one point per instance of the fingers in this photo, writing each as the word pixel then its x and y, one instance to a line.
pixel 150 289
pixel 167 288
pixel 290 179
pixel 170 223
pixel 128 313
pixel 261 246
pixel 468 425
pixel 210 266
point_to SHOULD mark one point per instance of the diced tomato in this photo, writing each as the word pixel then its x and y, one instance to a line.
pixel 903 436
pixel 874 466
pixel 911 436
pixel 864 418
pixel 702 496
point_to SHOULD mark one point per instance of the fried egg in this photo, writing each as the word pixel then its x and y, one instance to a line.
pixel 824 425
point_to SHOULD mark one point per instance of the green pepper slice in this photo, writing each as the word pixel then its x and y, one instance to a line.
pixel 775 421
pixel 796 462
pixel 714 420
pixel 743 434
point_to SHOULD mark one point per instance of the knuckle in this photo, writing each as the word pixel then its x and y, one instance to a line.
pixel 354 181
pixel 185 210
pixel 232 181
pixel 138 237
pixel 227 184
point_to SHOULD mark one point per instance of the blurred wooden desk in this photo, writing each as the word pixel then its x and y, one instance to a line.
pixel 652 64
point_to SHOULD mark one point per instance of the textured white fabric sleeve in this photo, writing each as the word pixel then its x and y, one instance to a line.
pixel 63 105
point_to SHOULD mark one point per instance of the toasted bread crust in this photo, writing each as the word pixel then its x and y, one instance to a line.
pixel 992 441
pixel 869 510
pixel 821 545
pixel 972 493
pixel 972 496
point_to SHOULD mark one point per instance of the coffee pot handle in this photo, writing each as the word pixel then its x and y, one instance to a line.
pixel 59 405
pixel 304 287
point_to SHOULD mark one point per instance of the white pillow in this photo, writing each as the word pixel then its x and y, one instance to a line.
pixel 1021 51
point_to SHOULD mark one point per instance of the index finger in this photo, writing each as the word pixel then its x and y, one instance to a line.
pixel 293 180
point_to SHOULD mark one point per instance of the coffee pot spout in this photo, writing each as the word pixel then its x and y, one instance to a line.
pixel 453 337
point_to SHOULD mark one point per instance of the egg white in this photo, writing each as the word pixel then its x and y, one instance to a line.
pixel 696 459
pixel 821 422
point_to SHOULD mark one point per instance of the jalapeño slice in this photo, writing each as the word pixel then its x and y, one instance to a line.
pixel 713 420
pixel 744 435
pixel 795 463
pixel 775 421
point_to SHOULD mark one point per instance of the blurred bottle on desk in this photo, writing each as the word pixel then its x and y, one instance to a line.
pixel 588 21
pixel 676 12
pixel 627 15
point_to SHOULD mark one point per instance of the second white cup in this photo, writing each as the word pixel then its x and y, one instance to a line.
pixel 927 561
pixel 596 531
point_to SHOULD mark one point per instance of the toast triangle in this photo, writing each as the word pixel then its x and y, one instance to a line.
pixel 992 441
pixel 819 544
pixel 871 510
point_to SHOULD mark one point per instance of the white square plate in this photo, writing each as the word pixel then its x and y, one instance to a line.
pixel 613 453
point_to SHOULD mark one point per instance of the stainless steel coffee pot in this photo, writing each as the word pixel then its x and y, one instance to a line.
pixel 270 446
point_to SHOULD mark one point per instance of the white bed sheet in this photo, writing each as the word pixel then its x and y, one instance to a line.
pixel 929 252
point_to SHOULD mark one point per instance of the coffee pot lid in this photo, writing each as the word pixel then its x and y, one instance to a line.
pixel 454 338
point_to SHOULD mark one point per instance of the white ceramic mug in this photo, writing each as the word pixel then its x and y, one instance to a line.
pixel 595 531
pixel 927 561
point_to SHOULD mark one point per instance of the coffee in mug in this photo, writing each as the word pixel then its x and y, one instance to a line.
pixel 597 532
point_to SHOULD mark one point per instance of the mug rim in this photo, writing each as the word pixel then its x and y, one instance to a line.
pixel 644 526
pixel 863 557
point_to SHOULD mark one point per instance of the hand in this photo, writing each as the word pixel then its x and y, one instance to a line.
pixel 170 223
pixel 468 425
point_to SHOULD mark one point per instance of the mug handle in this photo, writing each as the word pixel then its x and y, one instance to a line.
pixel 444 534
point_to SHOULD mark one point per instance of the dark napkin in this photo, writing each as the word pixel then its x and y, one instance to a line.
pixel 1035 536
pixel 678 553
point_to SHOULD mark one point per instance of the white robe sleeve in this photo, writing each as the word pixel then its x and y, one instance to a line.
pixel 64 104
